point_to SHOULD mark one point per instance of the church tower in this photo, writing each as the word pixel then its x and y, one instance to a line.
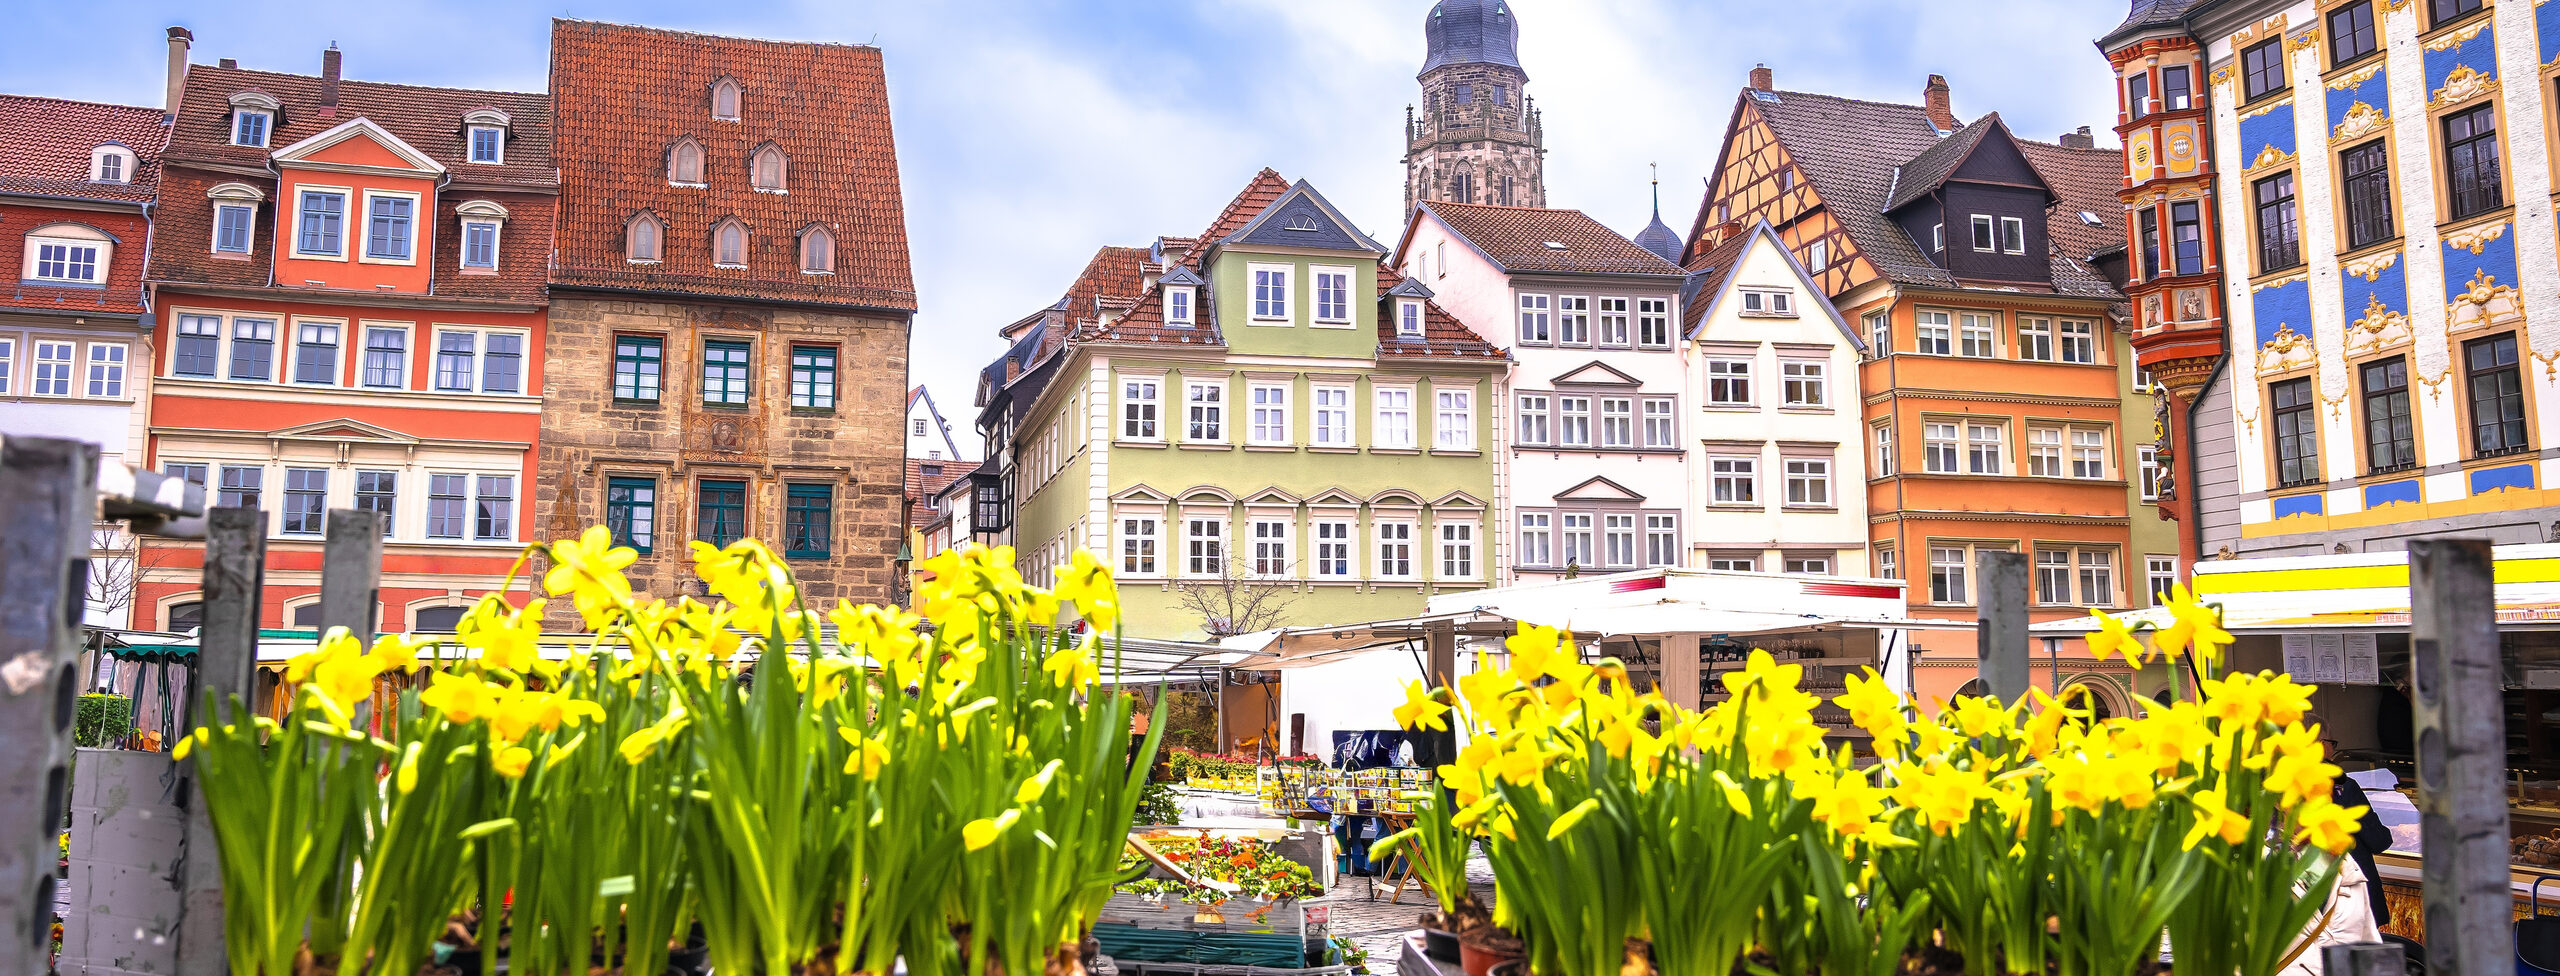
pixel 1477 138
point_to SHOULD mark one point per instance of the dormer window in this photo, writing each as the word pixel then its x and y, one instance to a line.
pixel 724 99
pixel 67 254
pixel 235 217
pixel 729 244
pixel 643 238
pixel 817 251
pixel 1983 239
pixel 2013 235
pixel 253 115
pixel 1408 319
pixel 1177 306
pixel 767 168
pixel 481 221
pixel 1771 302
pixel 684 163
pixel 111 163
pixel 484 135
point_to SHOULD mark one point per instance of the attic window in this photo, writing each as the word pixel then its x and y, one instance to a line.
pixel 1555 246
pixel 111 163
pixel 1766 96
pixel 641 238
pixel 767 169
pixel 817 251
pixel 684 163
pixel 2091 219
pixel 724 99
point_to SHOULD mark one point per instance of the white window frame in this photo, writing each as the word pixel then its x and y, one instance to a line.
pixel 1268 420
pixel 1537 539
pixel 1615 326
pixel 109 384
pixel 1537 427
pixel 497 236
pixel 1409 322
pixel 1137 410
pixel 1805 564
pixel 1350 306
pixel 1269 304
pixel 1181 306
pixel 2013 235
pixel 417 223
pixel 1733 562
pixel 1661 539
pixel 1194 556
pixel 1453 418
pixel 2089 461
pixel 53 376
pixel 1771 303
pixel 351 218
pixel 1393 543
pixel 1653 323
pixel 1729 382
pixel 1883 438
pixel 2076 338
pixel 1933 332
pixel 1567 415
pixel 1621 540
pixel 1536 323
pixel 1577 540
pixel 408 352
pixel 266 127
pixel 2044 451
pixel 1805 383
pixel 1618 422
pixel 1459 559
pixel 1978 335
pixel 2159 574
pixel 1144 533
pixel 1733 481
pixel 1384 433
pixel 1879 332
pixel 1331 424
pixel 1337 542
pixel 1810 478
pixel 1272 548
pixel 1817 256
pixel 102 253
pixel 471 144
pixel 1941 454
pixel 1661 423
pixel 526 355
pixel 1887 565
pixel 1999 442
pixel 1208 411
pixel 248 222
pixel 2147 457
pixel 2035 339
pixel 1573 320
pixel 1950 575
pixel 1986 235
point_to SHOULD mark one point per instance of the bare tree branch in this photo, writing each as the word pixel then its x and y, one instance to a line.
pixel 114 570
pixel 1236 601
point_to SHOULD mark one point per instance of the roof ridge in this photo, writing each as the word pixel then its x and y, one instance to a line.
pixel 82 101
pixel 343 82
pixel 674 32
pixel 1747 90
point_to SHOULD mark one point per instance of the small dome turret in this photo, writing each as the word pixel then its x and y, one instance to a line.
pixel 1471 32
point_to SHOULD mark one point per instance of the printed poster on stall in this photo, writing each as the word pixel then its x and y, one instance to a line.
pixel 2332 659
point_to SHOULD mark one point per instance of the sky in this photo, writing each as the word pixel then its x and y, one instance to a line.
pixel 1032 132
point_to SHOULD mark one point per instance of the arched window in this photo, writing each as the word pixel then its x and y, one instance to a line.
pixel 305 617
pixel 111 163
pixel 724 99
pixel 769 166
pixel 817 251
pixel 186 617
pixel 729 244
pixel 684 162
pixel 1462 187
pixel 67 254
pixel 642 237
pixel 438 620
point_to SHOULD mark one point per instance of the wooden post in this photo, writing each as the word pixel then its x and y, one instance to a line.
pixel 48 502
pixel 2000 592
pixel 2460 717
pixel 1441 647
pixel 235 564
pixel 2364 959
pixel 351 572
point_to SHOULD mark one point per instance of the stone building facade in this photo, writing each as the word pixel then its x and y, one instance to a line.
pixel 1477 137
pixel 730 305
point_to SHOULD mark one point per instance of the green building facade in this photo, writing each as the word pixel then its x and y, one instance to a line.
pixel 1276 432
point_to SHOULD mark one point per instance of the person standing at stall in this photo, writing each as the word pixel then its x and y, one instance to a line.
pixel 2371 836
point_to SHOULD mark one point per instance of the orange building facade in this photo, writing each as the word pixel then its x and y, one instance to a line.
pixel 2003 409
pixel 349 313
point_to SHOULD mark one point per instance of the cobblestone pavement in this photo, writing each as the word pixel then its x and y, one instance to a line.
pixel 1379 926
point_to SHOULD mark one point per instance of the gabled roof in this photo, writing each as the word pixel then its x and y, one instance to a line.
pixel 1443 335
pixel 1302 217
pixel 51 139
pixel 1538 239
pixel 1601 489
pixel 1930 170
pixel 2085 182
pixel 627 93
pixel 1595 373
pixel 359 128
pixel 1707 276
pixel 1113 275
pixel 1715 283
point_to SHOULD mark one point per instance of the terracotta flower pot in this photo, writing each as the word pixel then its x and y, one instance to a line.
pixel 1480 951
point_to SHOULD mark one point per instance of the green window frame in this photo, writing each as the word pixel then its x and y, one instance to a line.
pixel 639 368
pixel 808 522
pixel 631 511
pixel 813 377
pixel 727 373
pixel 720 511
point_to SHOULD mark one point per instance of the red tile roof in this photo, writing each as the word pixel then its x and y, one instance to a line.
pixel 123 292
pixel 50 140
pixel 1442 334
pixel 201 156
pixel 922 486
pixel 626 94
pixel 2086 180
pixel 1517 237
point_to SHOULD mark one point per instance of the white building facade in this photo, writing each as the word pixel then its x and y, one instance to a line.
pixel 1776 462
pixel 929 437
pixel 1591 440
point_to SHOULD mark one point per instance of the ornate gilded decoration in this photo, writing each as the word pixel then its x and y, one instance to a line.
pixel 2334 403
pixel 2462 85
pixel 2550 363
pixel 2275 102
pixel 2379 328
pixel 2358 77
pixel 2370 267
pixel 2476 239
pixel 2308 37
pixel 2484 303
pixel 2248 423
pixel 2270 156
pixel 2455 39
pixel 2362 119
pixel 2259 286
pixel 2288 351
pixel 2435 386
pixel 2222 77
pixel 2252 34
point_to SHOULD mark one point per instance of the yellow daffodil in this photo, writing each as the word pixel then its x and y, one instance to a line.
pixel 2193 623
pixel 1073 666
pixel 1565 821
pixel 1532 647
pixel 462 698
pixel 976 835
pixel 590 567
pixel 868 753
pixel 1421 709
pixel 1037 784
pixel 511 761
pixel 2326 825
pixel 2112 638
pixel 2213 819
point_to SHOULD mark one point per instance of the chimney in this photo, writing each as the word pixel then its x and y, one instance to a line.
pixel 329 80
pixel 1761 78
pixel 2080 139
pixel 231 62
pixel 1935 97
pixel 180 39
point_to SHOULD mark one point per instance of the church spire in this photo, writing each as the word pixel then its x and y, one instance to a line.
pixel 1657 236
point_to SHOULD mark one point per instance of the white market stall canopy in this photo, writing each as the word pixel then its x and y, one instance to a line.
pixel 2366 591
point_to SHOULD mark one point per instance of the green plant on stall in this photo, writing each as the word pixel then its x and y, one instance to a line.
pixel 101 720
pixel 1439 850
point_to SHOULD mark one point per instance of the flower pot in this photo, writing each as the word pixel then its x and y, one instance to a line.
pixel 1439 945
pixel 1515 967
pixel 1481 950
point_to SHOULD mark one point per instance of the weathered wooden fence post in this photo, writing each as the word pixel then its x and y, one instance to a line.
pixel 235 566
pixel 2000 594
pixel 351 572
pixel 48 502
pixel 2462 751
